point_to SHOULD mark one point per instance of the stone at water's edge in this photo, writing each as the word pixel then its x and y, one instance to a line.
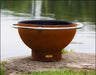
pixel 24 64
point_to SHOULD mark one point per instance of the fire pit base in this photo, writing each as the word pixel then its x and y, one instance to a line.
pixel 46 55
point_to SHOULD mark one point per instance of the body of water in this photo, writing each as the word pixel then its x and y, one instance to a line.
pixel 79 11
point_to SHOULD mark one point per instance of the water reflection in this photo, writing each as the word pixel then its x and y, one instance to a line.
pixel 77 11
pixel 63 10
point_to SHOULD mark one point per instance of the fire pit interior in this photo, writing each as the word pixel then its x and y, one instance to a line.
pixel 46 22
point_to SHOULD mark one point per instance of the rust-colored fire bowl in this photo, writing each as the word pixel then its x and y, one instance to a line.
pixel 46 38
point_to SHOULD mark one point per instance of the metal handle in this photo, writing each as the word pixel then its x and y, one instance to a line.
pixel 45 28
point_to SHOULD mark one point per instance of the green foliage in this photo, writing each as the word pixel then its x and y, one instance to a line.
pixel 64 51
pixel 2 68
pixel 3 63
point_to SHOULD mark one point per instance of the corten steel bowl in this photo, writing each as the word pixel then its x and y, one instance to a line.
pixel 46 38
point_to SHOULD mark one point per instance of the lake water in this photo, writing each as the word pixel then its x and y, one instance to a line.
pixel 13 11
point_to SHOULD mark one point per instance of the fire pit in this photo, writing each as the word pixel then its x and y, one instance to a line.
pixel 46 38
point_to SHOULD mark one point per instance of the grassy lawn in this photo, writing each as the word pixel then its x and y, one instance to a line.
pixel 65 72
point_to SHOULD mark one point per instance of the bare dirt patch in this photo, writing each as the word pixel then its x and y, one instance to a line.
pixel 24 64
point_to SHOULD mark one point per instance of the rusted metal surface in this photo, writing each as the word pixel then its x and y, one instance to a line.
pixel 46 55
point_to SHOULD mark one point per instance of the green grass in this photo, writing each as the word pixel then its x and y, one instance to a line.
pixel 2 68
pixel 64 51
pixel 65 72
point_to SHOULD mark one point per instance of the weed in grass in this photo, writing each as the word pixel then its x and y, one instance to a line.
pixel 2 68
pixel 64 51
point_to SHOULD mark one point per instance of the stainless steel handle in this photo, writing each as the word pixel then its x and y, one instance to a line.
pixel 48 28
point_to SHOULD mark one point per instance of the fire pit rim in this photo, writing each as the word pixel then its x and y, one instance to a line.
pixel 41 26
